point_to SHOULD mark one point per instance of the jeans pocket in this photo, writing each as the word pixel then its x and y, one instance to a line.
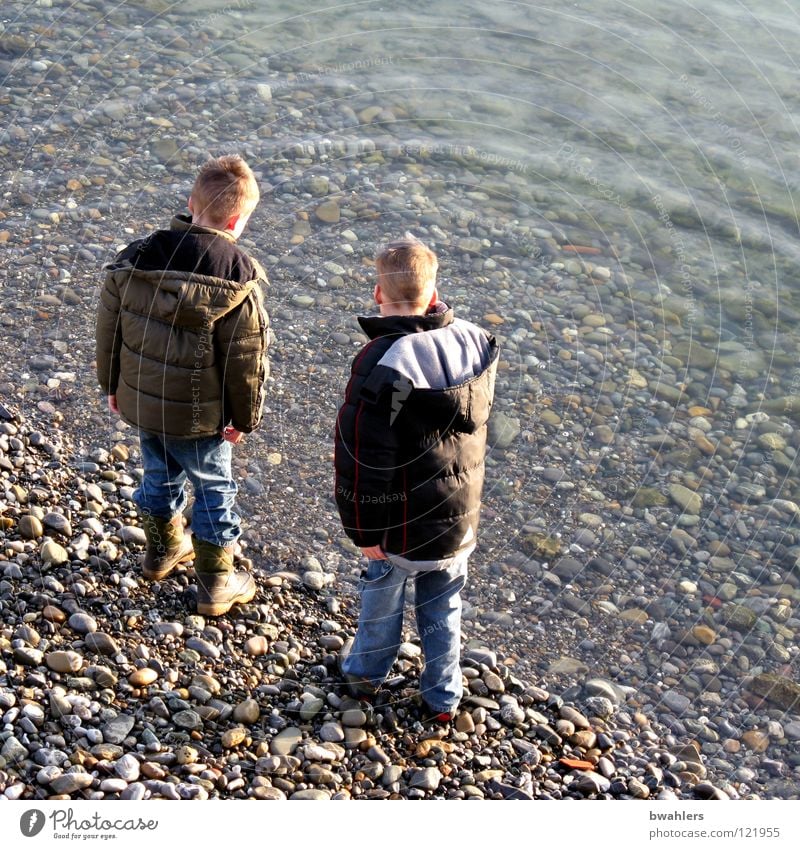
pixel 373 572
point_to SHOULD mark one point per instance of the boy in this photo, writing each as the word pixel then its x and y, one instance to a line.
pixel 410 445
pixel 182 356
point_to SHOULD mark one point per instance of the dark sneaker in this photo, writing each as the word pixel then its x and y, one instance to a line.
pixel 440 717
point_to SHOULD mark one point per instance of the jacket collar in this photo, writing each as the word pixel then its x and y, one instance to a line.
pixel 440 315
pixel 184 222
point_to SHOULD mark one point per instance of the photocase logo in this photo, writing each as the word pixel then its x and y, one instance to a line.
pixel 31 822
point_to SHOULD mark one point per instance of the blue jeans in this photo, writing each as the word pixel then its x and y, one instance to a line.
pixel 380 623
pixel 169 463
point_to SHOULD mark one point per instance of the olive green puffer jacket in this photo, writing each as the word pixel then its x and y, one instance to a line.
pixel 184 350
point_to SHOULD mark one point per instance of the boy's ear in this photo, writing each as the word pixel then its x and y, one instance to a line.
pixel 233 221
pixel 434 297
pixel 378 294
pixel 190 205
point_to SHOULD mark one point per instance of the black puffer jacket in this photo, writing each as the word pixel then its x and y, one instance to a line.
pixel 411 435
pixel 182 333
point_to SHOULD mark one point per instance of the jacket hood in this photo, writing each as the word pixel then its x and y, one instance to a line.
pixel 443 378
pixel 187 298
pixel 463 407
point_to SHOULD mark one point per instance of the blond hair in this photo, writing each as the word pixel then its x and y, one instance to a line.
pixel 407 271
pixel 224 187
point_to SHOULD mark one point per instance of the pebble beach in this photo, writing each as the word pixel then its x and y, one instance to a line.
pixel 630 627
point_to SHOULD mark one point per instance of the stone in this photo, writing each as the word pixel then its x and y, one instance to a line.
pixel 675 702
pixel 704 634
pixel 311 708
pixel 481 654
pixel 13 752
pixel 690 502
pixel 568 568
pixel 71 782
pixel 503 430
pixel 567 666
pixel 755 740
pixel 738 617
pixel 142 677
pixel 82 623
pixel 256 646
pixel 116 730
pixel 233 737
pixel 331 732
pixel 53 554
pixel 354 718
pixel 203 647
pixel 113 785
pixel 101 644
pixel 599 706
pixel 247 712
pixel 313 580
pixel 127 768
pixel 132 535
pixel 312 795
pixel 186 755
pixel 30 527
pixel 28 656
pixel 426 779
pixel 591 782
pixel 188 719
pixel 777 689
pixel 512 714
pixel 63 661
pixel 285 742
pixel 328 211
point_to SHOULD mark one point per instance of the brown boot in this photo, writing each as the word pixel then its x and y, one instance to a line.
pixel 167 546
pixel 219 587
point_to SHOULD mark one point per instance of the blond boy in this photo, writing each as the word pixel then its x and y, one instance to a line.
pixel 182 338
pixel 410 445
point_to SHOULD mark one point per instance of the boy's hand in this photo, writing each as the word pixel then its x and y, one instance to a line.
pixel 230 434
pixel 374 552
pixel 112 404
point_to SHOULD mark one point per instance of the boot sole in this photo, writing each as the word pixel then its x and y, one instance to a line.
pixel 218 608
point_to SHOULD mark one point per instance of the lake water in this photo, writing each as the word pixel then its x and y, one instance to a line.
pixel 668 129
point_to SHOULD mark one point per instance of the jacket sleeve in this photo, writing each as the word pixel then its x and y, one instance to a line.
pixel 242 338
pixel 366 458
pixel 108 336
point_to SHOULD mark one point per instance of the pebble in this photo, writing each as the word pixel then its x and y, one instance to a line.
pixel 30 527
pixel 64 661
pixel 82 623
pixel 71 782
pixel 117 729
pixel 53 554
pixel 247 712
pixel 100 643
pixel 426 779
pixel 286 741
pixel 132 535
pixel 143 677
pixel 127 768
pixel 354 718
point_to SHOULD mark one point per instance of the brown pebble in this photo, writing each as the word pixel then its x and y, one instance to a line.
pixel 53 614
pixel 142 677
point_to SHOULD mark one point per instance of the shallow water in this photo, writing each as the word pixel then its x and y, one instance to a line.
pixel 670 127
